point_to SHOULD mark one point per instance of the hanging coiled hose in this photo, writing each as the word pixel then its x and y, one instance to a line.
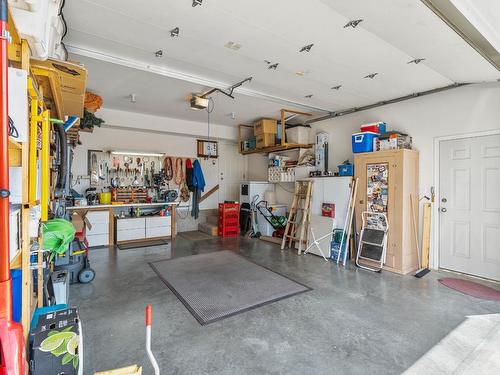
pixel 63 156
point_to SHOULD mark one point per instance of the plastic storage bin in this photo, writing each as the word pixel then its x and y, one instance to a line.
pixel 298 134
pixel 375 127
pixel 229 219
pixel 346 170
pixel 17 283
pixel 363 142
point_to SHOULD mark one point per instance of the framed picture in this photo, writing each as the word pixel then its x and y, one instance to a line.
pixel 207 149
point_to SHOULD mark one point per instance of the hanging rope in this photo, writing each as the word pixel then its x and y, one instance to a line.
pixel 179 171
pixel 168 171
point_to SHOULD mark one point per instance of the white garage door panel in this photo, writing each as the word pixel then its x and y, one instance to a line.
pixel 470 206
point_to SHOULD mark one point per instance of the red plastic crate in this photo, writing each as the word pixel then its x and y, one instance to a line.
pixel 229 232
pixel 229 207
pixel 229 219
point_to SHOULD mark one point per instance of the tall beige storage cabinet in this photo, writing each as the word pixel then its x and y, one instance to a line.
pixel 386 180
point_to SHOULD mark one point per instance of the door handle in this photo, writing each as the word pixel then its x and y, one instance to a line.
pixel 443 209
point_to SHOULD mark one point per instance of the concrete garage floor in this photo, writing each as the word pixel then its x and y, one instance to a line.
pixel 353 322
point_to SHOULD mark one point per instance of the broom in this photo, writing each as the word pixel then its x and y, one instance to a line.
pixel 421 272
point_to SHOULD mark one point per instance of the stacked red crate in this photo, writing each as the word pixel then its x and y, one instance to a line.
pixel 229 219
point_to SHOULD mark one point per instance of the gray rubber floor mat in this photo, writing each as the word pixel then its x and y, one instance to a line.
pixel 218 285
pixel 195 235
pixel 146 243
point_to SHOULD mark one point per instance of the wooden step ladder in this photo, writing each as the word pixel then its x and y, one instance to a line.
pixel 297 226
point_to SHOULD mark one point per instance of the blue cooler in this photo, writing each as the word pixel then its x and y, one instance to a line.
pixel 363 142
pixel 346 170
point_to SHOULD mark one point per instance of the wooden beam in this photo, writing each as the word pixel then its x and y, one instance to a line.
pixel 296 112
pixel 276 148
pixel 283 127
pixel 209 193
pixel 426 235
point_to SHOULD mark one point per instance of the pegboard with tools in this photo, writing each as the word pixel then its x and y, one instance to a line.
pixel 162 175
pixel 120 170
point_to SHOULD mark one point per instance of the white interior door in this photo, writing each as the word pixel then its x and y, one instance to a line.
pixel 469 206
pixel 232 170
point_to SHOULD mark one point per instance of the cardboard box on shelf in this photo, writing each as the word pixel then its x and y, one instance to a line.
pixel 265 140
pixel 79 221
pixel 265 125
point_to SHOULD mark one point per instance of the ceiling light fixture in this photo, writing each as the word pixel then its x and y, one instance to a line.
pixel 371 76
pixel 174 32
pixel 159 53
pixel 415 61
pixel 353 23
pixel 307 48
pixel 132 98
pixel 130 153
pixel 273 66
pixel 308 96
pixel 336 87
pixel 196 2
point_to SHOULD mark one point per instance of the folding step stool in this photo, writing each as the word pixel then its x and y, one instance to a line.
pixel 373 240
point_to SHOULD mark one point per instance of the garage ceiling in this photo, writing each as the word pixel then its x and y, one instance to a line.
pixel 108 32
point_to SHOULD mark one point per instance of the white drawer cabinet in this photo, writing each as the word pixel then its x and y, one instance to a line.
pixel 98 217
pixel 98 239
pixel 158 226
pixel 143 228
pixel 98 228
pixel 130 229
pixel 98 232
pixel 158 221
pixel 131 223
pixel 158 232
pixel 130 234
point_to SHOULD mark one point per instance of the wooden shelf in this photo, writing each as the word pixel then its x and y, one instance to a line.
pixel 33 306
pixel 276 148
pixel 16 261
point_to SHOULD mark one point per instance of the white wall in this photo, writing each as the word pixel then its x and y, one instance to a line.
pixel 462 110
